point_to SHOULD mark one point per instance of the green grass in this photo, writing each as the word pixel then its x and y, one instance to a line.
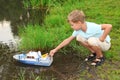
pixel 105 72
pixel 56 28
pixel 35 38
pixel 31 76
pixel 36 4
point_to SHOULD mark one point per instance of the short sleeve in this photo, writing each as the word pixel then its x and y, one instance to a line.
pixel 74 34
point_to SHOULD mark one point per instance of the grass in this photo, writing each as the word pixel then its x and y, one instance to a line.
pixel 105 72
pixel 35 38
pixel 22 76
pixel 36 4
pixel 55 28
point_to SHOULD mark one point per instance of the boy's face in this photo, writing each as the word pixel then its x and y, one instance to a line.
pixel 75 25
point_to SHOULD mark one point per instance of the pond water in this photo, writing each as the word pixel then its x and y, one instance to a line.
pixel 6 35
pixel 13 15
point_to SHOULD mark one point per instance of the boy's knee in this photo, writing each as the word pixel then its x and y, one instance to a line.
pixel 93 41
pixel 80 39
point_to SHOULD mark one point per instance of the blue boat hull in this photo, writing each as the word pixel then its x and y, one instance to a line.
pixel 36 61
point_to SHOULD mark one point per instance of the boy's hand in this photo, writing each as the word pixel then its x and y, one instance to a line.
pixel 101 39
pixel 52 52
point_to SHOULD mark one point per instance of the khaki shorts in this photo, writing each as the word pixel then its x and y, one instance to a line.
pixel 93 41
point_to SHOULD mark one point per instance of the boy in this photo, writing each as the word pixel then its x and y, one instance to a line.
pixel 92 36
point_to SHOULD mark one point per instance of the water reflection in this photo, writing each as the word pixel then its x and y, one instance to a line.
pixel 12 16
pixel 6 35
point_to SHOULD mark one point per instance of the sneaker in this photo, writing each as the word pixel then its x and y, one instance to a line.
pixel 91 57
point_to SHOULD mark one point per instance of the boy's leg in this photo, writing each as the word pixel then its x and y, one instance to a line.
pixel 94 49
pixel 84 43
pixel 98 51
pixel 95 46
pixel 98 47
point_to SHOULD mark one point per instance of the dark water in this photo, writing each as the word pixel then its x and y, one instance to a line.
pixel 13 15
pixel 64 67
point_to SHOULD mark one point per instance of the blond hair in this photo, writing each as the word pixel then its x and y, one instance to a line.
pixel 76 15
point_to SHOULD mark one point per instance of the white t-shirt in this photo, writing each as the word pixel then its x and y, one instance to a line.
pixel 93 30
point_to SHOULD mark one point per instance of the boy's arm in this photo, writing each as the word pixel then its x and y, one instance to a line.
pixel 107 28
pixel 62 44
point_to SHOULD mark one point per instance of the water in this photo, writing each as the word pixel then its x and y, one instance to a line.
pixel 6 35
pixel 13 15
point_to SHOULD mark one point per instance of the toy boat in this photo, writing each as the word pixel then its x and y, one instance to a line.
pixel 34 58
